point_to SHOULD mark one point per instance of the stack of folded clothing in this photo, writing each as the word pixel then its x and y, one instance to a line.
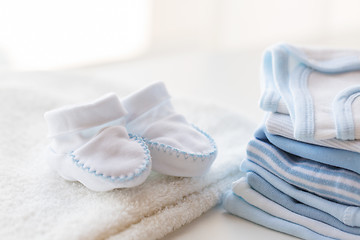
pixel 303 165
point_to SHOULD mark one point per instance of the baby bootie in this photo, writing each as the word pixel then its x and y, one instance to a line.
pixel 177 148
pixel 90 144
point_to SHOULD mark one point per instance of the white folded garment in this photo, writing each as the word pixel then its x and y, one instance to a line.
pixel 90 144
pixel 177 148
pixel 280 124
pixel 318 88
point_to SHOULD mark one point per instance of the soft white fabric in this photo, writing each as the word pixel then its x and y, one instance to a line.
pixel 90 144
pixel 318 87
pixel 177 148
pixel 280 124
pixel 242 189
pixel 325 112
pixel 77 117
pixel 37 204
pixel 323 103
pixel 70 126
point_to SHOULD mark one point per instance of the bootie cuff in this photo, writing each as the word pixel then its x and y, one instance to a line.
pixel 145 99
pixel 73 118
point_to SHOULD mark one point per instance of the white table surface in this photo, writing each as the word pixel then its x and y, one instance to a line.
pixel 230 80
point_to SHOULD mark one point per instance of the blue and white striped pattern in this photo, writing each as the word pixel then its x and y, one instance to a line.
pixel 326 181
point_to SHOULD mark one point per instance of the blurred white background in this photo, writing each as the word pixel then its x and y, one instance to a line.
pixel 200 48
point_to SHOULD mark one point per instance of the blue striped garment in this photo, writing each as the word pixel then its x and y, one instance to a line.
pixel 330 182
pixel 239 207
pixel 269 191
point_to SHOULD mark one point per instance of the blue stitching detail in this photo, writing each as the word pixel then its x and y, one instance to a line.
pixel 160 146
pixel 270 98
pixel 344 122
pixel 121 178
pixel 277 81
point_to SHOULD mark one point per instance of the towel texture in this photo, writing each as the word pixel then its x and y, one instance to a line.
pixel 36 203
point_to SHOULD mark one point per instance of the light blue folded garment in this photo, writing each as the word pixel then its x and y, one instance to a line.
pixel 241 208
pixel 318 88
pixel 331 156
pixel 280 124
pixel 330 182
pixel 349 215
pixel 266 189
pixel 242 189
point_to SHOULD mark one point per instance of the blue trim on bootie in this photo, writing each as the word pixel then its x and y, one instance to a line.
pixel 127 177
pixel 172 150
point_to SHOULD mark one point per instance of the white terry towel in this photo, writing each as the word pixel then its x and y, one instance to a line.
pixel 36 203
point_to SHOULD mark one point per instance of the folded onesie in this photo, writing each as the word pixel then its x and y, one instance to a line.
pixel 280 124
pixel 327 155
pixel 349 215
pixel 254 198
pixel 269 191
pixel 177 148
pixel 318 88
pixel 330 182
pixel 90 144
pixel 239 207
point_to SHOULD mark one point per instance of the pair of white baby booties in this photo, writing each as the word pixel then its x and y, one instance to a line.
pixel 108 143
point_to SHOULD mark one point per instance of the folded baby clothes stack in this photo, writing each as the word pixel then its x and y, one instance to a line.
pixel 303 164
